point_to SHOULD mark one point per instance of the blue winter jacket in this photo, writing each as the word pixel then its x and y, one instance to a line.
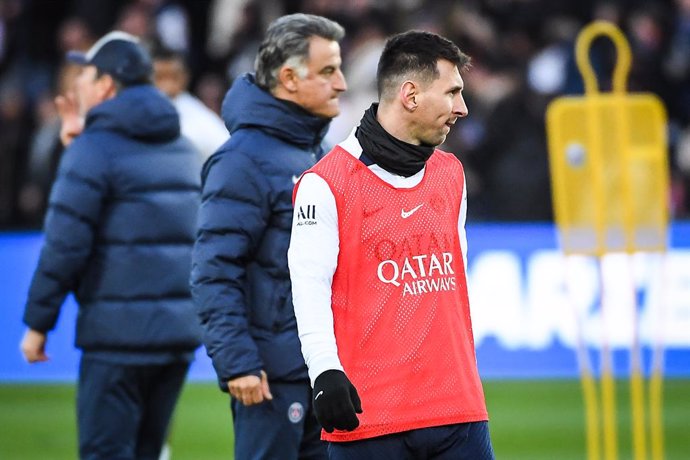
pixel 240 280
pixel 119 231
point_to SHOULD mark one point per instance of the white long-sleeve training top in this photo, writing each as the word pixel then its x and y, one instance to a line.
pixel 313 257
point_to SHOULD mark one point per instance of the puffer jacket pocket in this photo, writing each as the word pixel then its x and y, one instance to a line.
pixel 270 304
pixel 285 315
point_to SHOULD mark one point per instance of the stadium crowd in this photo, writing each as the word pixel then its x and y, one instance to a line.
pixel 522 57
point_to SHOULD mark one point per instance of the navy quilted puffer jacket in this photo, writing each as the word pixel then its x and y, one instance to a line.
pixel 240 280
pixel 119 231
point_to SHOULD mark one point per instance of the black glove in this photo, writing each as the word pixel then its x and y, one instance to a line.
pixel 336 402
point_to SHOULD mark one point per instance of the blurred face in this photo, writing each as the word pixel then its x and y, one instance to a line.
pixel 169 76
pixel 92 90
pixel 319 90
pixel 439 105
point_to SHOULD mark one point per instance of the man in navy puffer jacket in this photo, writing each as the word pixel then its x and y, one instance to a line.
pixel 240 281
pixel 118 235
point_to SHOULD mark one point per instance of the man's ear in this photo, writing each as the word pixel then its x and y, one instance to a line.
pixel 287 78
pixel 106 87
pixel 409 93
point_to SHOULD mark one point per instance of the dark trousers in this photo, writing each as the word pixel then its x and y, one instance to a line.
pixel 284 428
pixel 123 411
pixel 463 441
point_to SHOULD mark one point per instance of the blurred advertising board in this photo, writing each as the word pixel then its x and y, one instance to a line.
pixel 525 298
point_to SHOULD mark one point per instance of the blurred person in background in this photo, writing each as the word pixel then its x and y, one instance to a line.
pixel 15 104
pixel 211 89
pixel 512 158
pixel 364 49
pixel 43 157
pixel 378 259
pixel 13 110
pixel 118 235
pixel 198 123
pixel 277 120
pixel 45 147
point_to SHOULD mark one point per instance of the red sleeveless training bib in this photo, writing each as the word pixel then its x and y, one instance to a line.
pixel 400 306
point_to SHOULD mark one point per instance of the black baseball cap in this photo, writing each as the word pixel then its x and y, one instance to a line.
pixel 118 54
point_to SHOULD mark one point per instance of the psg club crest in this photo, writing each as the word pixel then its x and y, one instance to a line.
pixel 296 412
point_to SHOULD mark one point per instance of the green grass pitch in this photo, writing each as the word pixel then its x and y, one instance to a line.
pixel 530 420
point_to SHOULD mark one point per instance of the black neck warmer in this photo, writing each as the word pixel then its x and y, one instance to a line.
pixel 393 155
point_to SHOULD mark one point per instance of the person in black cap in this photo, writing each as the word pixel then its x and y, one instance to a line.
pixel 118 236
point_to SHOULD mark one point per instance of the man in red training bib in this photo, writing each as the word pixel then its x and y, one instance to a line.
pixel 377 261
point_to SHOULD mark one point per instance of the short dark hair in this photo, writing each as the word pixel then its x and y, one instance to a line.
pixel 287 38
pixel 162 53
pixel 415 53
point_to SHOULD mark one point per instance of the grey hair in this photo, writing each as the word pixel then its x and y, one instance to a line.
pixel 287 42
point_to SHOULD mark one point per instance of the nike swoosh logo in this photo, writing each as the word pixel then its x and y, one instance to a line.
pixel 405 214
pixel 317 395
